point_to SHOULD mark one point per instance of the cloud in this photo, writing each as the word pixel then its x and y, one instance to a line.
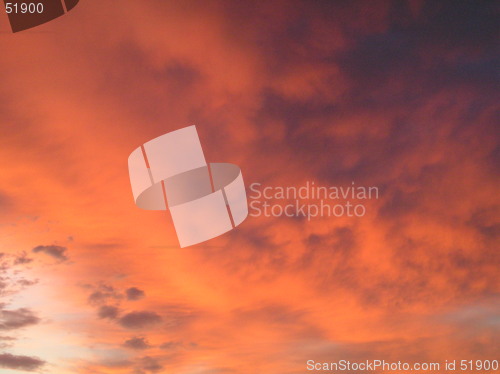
pixel 3 285
pixel 137 343
pixel 139 320
pixel 134 293
pixel 103 293
pixel 12 280
pixel 23 259
pixel 176 344
pixel 171 345
pixel 6 202
pixel 401 98
pixel 150 364
pixel 6 341
pixel 16 319
pixel 108 312
pixel 26 363
pixel 27 282
pixel 54 251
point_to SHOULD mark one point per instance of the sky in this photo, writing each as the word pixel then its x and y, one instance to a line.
pixel 401 95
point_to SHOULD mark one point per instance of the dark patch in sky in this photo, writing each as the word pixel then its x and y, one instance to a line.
pixel 137 343
pixel 54 251
pixel 134 293
pixel 103 293
pixel 23 259
pixel 16 319
pixel 108 312
pixel 26 363
pixel 150 364
pixel 139 320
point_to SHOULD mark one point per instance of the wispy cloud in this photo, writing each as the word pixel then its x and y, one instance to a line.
pixel 134 293
pixel 139 319
pixel 55 251
pixel 25 363
pixel 137 343
pixel 401 95
pixel 16 319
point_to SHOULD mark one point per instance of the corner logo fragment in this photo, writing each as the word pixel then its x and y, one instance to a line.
pixel 205 200
pixel 24 15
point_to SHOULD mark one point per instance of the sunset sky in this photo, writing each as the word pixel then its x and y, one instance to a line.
pixel 401 95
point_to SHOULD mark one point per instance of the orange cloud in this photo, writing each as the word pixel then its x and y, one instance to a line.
pixel 398 96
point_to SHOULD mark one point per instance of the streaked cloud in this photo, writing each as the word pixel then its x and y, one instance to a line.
pixel 55 251
pixel 25 363
pixel 108 311
pixel 134 293
pixel 139 319
pixel 137 343
pixel 17 318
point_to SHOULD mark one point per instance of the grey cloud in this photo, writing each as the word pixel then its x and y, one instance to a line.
pixel 26 363
pixel 23 259
pixel 134 293
pixel 3 285
pixel 170 345
pixel 6 341
pixel 372 63
pixel 16 319
pixel 108 312
pixel 150 364
pixel 12 280
pixel 139 320
pixel 27 282
pixel 137 343
pixel 54 251
pixel 485 222
pixel 399 204
pixel 104 293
